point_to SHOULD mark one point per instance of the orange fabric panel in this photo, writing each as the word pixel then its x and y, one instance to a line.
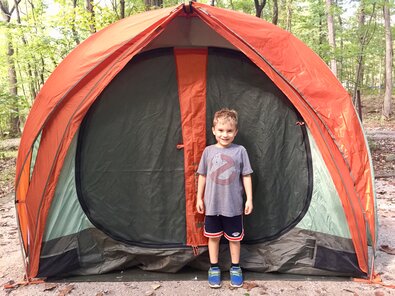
pixel 328 111
pixel 21 192
pixel 191 76
pixel 59 131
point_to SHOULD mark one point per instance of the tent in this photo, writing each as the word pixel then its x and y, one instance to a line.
pixel 105 176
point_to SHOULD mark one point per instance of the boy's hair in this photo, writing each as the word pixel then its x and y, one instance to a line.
pixel 226 114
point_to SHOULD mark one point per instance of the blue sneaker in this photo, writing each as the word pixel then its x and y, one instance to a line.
pixel 236 277
pixel 214 277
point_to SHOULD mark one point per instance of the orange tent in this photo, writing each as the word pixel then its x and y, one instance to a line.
pixel 202 58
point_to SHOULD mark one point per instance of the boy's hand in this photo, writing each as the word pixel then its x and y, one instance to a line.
pixel 248 207
pixel 200 206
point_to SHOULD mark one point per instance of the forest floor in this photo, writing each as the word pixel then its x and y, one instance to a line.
pixel 381 139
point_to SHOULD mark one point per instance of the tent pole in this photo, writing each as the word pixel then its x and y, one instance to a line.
pixel 21 244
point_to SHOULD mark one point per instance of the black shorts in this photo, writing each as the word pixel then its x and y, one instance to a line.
pixel 231 227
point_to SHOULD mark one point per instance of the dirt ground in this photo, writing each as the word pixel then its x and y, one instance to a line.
pixel 11 267
pixel 381 139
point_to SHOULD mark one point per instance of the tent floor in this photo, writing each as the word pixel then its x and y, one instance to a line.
pixel 186 274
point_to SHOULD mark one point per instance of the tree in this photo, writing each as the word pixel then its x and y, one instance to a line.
pixel 259 6
pixel 12 78
pixel 275 12
pixel 365 35
pixel 289 16
pixel 91 11
pixel 32 85
pixel 331 35
pixel 122 8
pixel 149 4
pixel 73 28
pixel 387 108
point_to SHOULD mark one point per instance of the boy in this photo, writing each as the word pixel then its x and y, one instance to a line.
pixel 224 170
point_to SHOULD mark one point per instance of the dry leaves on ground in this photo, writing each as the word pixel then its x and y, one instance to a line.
pixel 387 249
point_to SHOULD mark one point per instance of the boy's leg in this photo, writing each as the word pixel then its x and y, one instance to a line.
pixel 213 230
pixel 214 273
pixel 234 247
pixel 234 232
pixel 213 249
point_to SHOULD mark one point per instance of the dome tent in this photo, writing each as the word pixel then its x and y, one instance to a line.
pixel 106 166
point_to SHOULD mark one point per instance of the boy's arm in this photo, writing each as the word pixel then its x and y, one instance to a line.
pixel 247 182
pixel 199 199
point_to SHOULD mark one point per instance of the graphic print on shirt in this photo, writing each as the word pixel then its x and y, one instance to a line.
pixel 223 170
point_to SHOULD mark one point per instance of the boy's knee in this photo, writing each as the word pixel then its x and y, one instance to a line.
pixel 215 239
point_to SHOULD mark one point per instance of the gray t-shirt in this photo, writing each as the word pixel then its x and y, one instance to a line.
pixel 224 168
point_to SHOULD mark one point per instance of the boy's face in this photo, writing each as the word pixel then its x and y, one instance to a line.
pixel 224 131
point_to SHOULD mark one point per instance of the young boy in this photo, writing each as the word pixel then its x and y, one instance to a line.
pixel 224 170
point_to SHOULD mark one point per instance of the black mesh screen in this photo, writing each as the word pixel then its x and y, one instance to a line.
pixel 130 176
pixel 130 173
pixel 277 146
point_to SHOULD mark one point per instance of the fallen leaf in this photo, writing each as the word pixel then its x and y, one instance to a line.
pixel 351 291
pixel 10 285
pixel 156 287
pixel 250 285
pixel 387 249
pixel 66 290
pixel 50 286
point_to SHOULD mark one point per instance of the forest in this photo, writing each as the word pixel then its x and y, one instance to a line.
pixel 353 37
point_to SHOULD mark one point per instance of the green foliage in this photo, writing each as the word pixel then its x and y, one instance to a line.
pixel 49 30
pixel 238 5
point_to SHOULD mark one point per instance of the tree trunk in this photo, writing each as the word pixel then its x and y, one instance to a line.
pixel 122 8
pixel 387 108
pixel 363 42
pixel 153 3
pixel 321 29
pixel 340 68
pixel 289 16
pixel 90 9
pixel 14 122
pixel 12 80
pixel 73 29
pixel 331 35
pixel 359 70
pixel 275 12
pixel 32 88
pixel 259 7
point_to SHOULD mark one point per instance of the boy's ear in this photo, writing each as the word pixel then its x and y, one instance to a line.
pixel 213 130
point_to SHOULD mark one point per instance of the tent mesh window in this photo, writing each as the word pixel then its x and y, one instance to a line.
pixel 130 175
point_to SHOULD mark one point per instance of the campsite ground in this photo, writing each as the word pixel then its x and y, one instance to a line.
pixel 381 137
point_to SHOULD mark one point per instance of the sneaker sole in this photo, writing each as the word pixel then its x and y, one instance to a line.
pixel 236 286
pixel 215 286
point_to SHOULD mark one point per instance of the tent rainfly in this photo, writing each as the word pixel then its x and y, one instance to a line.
pixel 106 168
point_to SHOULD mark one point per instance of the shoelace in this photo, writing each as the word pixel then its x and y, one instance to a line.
pixel 236 272
pixel 214 272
